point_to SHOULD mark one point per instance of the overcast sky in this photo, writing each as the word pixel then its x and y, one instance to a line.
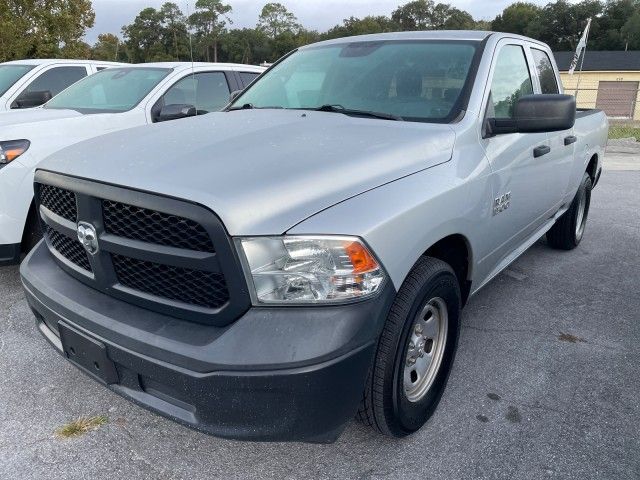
pixel 320 15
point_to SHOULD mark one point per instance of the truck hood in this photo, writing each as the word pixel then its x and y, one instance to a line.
pixel 261 171
pixel 32 115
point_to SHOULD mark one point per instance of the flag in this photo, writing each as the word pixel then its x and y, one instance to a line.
pixel 582 45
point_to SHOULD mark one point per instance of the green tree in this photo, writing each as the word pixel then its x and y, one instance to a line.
pixel 615 15
pixel 143 38
pixel 561 23
pixel 631 32
pixel 362 26
pixel 276 20
pixel 415 15
pixel 515 18
pixel 428 15
pixel 175 32
pixel 44 28
pixel 108 47
pixel 209 22
pixel 247 45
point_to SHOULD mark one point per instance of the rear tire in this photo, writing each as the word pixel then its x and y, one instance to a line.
pixel 415 351
pixel 568 230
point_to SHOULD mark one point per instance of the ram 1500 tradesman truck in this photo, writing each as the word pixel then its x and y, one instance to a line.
pixel 270 271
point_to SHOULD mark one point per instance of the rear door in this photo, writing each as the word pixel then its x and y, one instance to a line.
pixel 53 79
pixel 559 160
pixel 519 164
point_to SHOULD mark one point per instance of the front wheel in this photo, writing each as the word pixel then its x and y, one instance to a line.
pixel 568 230
pixel 415 351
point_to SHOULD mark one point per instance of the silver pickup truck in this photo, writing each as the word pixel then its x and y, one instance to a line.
pixel 270 271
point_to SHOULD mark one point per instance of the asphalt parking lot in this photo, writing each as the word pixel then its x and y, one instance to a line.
pixel 546 384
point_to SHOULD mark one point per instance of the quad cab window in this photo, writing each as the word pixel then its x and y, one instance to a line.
pixel 511 80
pixel 546 74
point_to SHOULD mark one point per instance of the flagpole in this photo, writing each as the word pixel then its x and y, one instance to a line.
pixel 584 54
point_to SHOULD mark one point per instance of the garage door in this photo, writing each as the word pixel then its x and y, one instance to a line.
pixel 617 99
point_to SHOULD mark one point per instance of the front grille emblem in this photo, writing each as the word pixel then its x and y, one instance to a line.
pixel 88 237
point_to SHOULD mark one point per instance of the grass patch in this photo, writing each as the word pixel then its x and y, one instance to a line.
pixel 624 131
pixel 81 426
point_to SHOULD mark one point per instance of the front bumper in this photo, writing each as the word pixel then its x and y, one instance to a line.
pixel 275 374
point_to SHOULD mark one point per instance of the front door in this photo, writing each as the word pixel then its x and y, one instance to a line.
pixel 519 161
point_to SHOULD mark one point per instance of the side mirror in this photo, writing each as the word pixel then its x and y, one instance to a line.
pixel 176 111
pixel 235 94
pixel 537 113
pixel 32 99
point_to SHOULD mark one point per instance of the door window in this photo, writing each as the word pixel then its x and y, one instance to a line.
pixel 511 80
pixel 248 77
pixel 56 80
pixel 546 74
pixel 207 91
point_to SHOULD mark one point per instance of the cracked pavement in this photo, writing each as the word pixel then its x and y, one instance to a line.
pixel 545 385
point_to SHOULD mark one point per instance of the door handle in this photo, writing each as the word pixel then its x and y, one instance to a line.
pixel 541 150
pixel 570 139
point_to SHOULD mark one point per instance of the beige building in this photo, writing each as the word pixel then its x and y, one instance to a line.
pixel 610 80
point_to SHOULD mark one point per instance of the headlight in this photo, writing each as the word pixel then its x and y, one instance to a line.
pixel 305 269
pixel 11 150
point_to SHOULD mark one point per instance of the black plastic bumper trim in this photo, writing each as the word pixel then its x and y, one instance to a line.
pixel 276 374
pixel 10 254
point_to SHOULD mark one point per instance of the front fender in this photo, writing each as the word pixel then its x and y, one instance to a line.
pixel 402 219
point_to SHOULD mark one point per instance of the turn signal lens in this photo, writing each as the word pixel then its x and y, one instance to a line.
pixel 318 269
pixel 12 149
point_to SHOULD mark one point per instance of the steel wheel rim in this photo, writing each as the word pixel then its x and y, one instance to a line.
pixel 425 348
pixel 581 217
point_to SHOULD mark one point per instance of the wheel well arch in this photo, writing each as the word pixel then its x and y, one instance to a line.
pixel 455 250
pixel 592 167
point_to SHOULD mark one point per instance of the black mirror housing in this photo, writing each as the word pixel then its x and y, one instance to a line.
pixel 537 113
pixel 176 111
pixel 32 99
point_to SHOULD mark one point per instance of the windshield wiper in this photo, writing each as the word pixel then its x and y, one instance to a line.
pixel 246 106
pixel 250 106
pixel 362 113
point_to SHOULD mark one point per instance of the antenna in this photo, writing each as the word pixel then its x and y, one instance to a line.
pixel 193 74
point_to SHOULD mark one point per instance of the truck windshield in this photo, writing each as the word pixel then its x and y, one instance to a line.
pixel 407 80
pixel 110 91
pixel 10 74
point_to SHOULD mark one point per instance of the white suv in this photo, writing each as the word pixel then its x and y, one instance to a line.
pixel 30 83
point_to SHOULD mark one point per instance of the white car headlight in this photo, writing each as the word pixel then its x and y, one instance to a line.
pixel 310 269
pixel 11 150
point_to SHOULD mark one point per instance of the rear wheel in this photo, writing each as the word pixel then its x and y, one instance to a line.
pixel 415 351
pixel 568 230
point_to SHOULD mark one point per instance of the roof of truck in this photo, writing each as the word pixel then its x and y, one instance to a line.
pixel 477 35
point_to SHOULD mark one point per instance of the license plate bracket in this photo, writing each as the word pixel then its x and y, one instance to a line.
pixel 88 354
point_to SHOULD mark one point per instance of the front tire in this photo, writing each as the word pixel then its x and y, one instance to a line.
pixel 415 351
pixel 568 230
